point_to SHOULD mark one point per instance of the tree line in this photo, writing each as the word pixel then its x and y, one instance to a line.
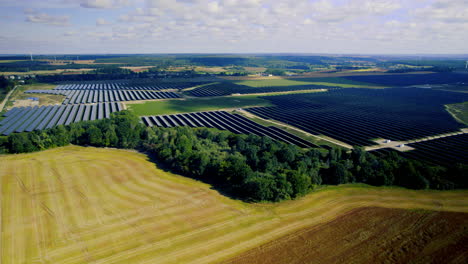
pixel 247 167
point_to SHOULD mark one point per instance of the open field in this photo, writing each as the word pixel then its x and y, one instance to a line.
pixel 195 105
pixel 459 112
pixel 372 235
pixel 44 99
pixel 77 71
pixel 327 81
pixel 321 74
pixel 9 61
pixel 81 205
pixel 137 68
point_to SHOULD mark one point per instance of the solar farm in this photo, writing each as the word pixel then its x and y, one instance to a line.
pixel 85 101
pixel 225 121
pixel 100 96
pixel 27 119
pixel 444 151
pixel 221 89
pixel 357 116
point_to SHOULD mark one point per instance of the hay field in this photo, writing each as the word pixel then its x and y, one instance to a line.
pixel 91 205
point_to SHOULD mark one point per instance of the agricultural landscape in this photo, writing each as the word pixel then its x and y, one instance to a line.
pixel 75 204
pixel 233 131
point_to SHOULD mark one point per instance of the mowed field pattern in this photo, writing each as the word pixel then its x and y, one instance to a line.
pixel 91 205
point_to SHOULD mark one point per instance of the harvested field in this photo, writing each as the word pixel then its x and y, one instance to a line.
pixel 372 235
pixel 91 205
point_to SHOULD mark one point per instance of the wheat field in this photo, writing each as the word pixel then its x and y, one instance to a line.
pixel 91 205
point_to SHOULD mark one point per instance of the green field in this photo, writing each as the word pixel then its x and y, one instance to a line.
pixel 326 81
pixel 195 105
pixel 459 112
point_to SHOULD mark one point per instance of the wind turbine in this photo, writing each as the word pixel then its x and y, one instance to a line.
pixel 30 53
pixel 466 65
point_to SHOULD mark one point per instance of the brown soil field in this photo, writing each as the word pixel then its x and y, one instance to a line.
pixel 372 235
pixel 137 68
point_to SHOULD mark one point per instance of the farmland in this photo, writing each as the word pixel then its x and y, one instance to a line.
pixel 355 116
pixel 376 235
pixel 76 205
pixel 195 105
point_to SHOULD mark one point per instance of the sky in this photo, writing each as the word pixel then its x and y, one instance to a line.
pixel 234 26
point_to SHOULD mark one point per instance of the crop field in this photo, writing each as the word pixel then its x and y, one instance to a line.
pixel 225 121
pixel 412 79
pixel 443 151
pixel 227 88
pixel 355 116
pixel 81 205
pixel 48 72
pixel 375 235
pixel 20 119
pixel 195 105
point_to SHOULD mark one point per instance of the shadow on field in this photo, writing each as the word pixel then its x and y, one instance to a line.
pixel 221 189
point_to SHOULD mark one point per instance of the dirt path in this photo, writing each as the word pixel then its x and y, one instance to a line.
pixel 402 145
pixel 2 104
pixel 336 142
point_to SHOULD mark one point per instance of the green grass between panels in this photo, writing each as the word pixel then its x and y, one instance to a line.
pixel 195 105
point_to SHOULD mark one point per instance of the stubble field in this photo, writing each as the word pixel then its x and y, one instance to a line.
pixel 90 205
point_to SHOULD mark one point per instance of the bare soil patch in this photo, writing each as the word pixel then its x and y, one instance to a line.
pixel 372 235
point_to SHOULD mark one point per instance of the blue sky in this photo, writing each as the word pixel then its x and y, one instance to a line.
pixel 234 26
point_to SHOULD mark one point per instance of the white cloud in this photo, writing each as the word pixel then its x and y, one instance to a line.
pixel 44 18
pixel 448 11
pixel 253 25
pixel 102 22
pixel 103 4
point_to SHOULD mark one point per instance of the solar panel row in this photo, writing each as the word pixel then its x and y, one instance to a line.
pixel 100 96
pixel 123 86
pixel 225 121
pixel 36 118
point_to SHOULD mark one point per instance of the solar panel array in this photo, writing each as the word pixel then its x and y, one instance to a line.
pixel 225 121
pixel 123 86
pixel 21 119
pixel 101 96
